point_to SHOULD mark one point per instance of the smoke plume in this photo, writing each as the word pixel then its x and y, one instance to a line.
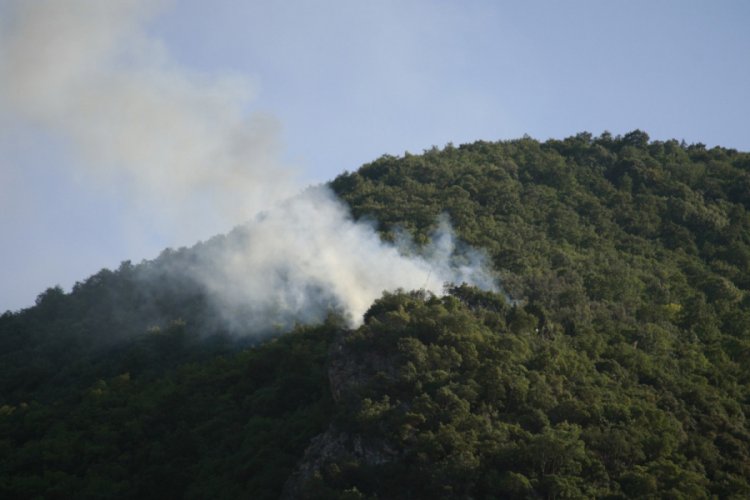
pixel 307 256
pixel 191 155
pixel 181 144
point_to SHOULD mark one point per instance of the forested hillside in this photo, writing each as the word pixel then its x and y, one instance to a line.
pixel 614 364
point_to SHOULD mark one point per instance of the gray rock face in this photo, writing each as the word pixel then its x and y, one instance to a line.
pixel 347 373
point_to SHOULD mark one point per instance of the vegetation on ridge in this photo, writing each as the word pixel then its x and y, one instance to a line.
pixel 618 370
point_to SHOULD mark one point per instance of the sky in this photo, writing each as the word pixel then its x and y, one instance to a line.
pixel 317 88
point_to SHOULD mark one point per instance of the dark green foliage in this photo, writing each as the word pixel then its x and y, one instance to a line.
pixel 629 259
pixel 615 366
pixel 228 427
pixel 58 344
pixel 469 408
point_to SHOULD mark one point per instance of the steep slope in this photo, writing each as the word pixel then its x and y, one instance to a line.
pixel 227 426
pixel 468 397
pixel 613 365
pixel 629 261
pixel 108 324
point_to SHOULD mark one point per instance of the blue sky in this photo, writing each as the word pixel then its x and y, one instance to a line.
pixel 344 82
pixel 360 79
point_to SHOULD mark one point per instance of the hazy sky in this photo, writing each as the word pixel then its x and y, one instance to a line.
pixel 336 84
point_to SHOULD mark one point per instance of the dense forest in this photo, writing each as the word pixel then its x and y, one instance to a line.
pixel 613 363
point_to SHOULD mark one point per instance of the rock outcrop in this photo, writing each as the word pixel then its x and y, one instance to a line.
pixel 347 373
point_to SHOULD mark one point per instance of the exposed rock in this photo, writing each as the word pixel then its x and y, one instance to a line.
pixel 347 372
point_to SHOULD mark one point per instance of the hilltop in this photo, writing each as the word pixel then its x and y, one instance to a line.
pixel 611 364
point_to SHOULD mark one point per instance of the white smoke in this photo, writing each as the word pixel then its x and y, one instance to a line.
pixel 308 256
pixel 180 143
pixel 189 153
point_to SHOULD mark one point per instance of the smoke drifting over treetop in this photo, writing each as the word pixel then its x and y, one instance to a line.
pixel 307 256
pixel 190 155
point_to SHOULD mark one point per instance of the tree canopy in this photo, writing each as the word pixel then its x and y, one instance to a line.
pixel 613 363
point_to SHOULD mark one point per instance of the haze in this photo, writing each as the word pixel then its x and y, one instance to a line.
pixel 307 92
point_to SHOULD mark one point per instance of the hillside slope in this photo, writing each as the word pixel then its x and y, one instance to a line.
pixel 612 366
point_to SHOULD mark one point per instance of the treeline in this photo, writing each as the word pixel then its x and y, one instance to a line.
pixel 632 258
pixel 637 241
pixel 613 365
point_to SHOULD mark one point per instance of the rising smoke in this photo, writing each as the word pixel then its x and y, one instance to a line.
pixel 307 256
pixel 179 143
pixel 189 154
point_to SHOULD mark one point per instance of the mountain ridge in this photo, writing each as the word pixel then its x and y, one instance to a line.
pixel 616 349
